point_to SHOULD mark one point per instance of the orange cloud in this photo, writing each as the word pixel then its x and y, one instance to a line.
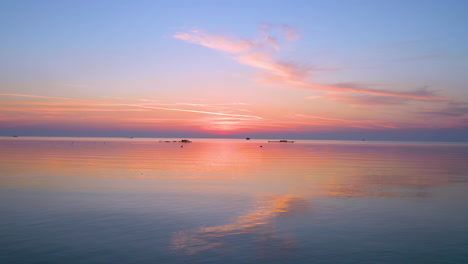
pixel 225 117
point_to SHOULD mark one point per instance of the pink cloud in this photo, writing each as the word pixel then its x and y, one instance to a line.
pixel 287 72
pixel 421 94
pixel 259 53
pixel 359 100
pixel 452 109
pixel 46 97
pixel 368 100
pixel 196 111
pixel 91 106
pixel 217 42
pixel 337 122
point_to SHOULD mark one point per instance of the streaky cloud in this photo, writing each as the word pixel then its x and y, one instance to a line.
pixel 361 100
pixel 327 121
pixel 139 106
pixel 194 111
pixel 46 97
pixel 217 42
pixel 259 53
pixel 453 109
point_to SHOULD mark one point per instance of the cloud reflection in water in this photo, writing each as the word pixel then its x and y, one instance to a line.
pixel 259 222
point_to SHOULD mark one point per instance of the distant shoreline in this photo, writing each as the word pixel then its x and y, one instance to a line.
pixel 253 140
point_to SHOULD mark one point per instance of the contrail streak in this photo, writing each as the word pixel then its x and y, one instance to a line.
pixel 139 106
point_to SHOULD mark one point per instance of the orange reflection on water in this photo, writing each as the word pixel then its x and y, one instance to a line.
pixel 260 221
pixel 284 178
pixel 298 169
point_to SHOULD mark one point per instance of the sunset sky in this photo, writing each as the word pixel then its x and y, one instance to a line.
pixel 380 70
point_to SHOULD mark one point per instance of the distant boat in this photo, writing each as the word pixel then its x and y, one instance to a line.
pixel 281 141
pixel 247 138
pixel 185 141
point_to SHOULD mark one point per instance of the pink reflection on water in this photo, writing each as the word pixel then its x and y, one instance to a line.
pixel 259 221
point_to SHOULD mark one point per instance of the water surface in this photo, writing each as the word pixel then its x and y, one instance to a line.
pixel 98 200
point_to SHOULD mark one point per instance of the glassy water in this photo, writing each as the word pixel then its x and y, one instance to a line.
pixel 90 200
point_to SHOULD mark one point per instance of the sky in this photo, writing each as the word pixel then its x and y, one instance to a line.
pixel 349 69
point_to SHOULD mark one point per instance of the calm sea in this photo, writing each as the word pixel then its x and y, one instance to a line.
pixel 102 200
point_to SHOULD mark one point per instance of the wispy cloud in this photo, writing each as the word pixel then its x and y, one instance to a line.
pixel 339 122
pixel 194 111
pixel 453 109
pixel 221 107
pixel 46 97
pixel 65 109
pixel 223 116
pixel 212 118
pixel 217 42
pixel 362 100
pixel 420 94
pixel 260 53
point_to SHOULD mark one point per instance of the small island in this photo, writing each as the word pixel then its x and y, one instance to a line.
pixel 176 141
pixel 280 141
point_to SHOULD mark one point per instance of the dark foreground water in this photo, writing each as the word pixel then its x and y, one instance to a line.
pixel 232 201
